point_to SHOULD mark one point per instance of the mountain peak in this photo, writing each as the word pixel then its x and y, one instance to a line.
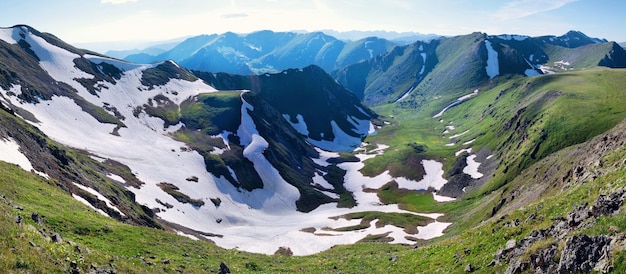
pixel 576 38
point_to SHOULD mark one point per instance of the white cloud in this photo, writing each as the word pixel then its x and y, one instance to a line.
pixel 116 2
pixel 524 8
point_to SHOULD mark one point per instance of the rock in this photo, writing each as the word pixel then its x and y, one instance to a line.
pixel 510 245
pixel 223 269
pixel 393 258
pixel 32 244
pixel 469 268
pixel 517 266
pixel 582 253
pixel 81 250
pixel 165 261
pixel 286 251
pixel 18 208
pixel 74 267
pixel 35 217
pixel 607 204
pixel 18 220
pixel 97 270
pixel 56 238
pixel 578 215
pixel 530 217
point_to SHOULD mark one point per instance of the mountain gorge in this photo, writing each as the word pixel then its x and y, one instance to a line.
pixel 302 144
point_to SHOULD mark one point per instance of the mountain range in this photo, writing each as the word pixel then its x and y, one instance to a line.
pixel 468 152
pixel 265 51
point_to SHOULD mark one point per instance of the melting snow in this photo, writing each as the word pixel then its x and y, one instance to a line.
pixel 458 102
pixel 424 63
pixel 458 135
pixel 468 150
pixel 100 197
pixel 512 37
pixel 85 202
pixel 492 68
pixel 300 126
pixel 472 167
pixel 10 35
pixel 433 177
pixel 441 199
pixel 116 178
pixel 10 153
pixel 343 141
pixel 469 142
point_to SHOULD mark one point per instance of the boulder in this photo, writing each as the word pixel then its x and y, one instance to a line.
pixel 582 253
pixel 224 269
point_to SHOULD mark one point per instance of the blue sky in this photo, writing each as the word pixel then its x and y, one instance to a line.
pixel 89 21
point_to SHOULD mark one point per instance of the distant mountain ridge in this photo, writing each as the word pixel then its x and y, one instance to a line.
pixel 462 63
pixel 267 51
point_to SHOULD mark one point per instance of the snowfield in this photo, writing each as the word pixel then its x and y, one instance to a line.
pixel 261 220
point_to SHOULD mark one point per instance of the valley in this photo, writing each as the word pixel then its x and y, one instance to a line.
pixel 431 155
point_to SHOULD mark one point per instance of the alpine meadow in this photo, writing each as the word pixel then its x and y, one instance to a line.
pixel 308 152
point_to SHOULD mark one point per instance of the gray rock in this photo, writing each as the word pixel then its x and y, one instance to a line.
pixel 582 253
pixel 608 204
pixel 35 217
pixel 56 238
pixel 578 215
pixel 224 269
pixel 510 245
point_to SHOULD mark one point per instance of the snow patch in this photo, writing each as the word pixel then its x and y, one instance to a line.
pixel 493 68
pixel 442 199
pixel 472 167
pixel 10 35
pixel 299 126
pixel 100 197
pixel 458 102
pixel 459 135
pixel 468 150
pixel 433 177
pixel 342 142
pixel 512 37
pixel 10 153
pixel 116 178
pixel 85 202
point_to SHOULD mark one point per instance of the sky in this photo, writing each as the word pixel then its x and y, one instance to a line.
pixel 124 23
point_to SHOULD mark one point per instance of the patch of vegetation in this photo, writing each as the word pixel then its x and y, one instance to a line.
pixel 212 113
pixel 162 73
pixel 408 221
pixel 162 107
pixel 173 191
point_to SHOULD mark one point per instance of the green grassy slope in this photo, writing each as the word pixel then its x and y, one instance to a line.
pixel 520 120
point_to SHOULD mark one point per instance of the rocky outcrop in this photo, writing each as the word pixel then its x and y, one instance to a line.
pixel 540 253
